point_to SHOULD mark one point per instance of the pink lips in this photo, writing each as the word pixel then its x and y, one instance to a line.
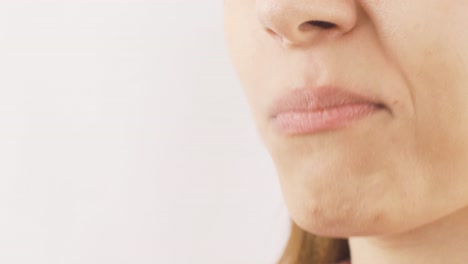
pixel 316 109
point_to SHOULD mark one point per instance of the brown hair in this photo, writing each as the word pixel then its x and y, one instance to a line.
pixel 306 248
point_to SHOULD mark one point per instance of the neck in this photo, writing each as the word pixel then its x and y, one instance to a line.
pixel 442 241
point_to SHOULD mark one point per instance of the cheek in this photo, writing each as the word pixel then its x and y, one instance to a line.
pixel 431 53
pixel 428 42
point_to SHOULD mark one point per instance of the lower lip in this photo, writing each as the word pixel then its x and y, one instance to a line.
pixel 309 122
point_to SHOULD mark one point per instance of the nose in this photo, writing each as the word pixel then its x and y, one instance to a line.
pixel 303 22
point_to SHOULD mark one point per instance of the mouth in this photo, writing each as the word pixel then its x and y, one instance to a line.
pixel 312 110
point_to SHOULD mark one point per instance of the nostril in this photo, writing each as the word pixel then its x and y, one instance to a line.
pixel 321 24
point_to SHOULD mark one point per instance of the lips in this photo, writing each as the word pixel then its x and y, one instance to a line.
pixel 315 109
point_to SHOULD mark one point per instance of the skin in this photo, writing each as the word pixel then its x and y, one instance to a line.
pixel 395 183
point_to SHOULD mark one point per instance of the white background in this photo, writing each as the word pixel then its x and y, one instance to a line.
pixel 125 138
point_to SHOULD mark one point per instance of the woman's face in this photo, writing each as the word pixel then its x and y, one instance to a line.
pixel 401 166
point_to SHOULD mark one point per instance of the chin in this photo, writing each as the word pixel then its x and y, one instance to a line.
pixel 336 219
pixel 337 227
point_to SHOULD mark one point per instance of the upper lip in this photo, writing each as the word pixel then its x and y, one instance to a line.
pixel 307 99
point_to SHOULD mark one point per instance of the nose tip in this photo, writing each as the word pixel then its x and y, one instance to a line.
pixel 302 22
